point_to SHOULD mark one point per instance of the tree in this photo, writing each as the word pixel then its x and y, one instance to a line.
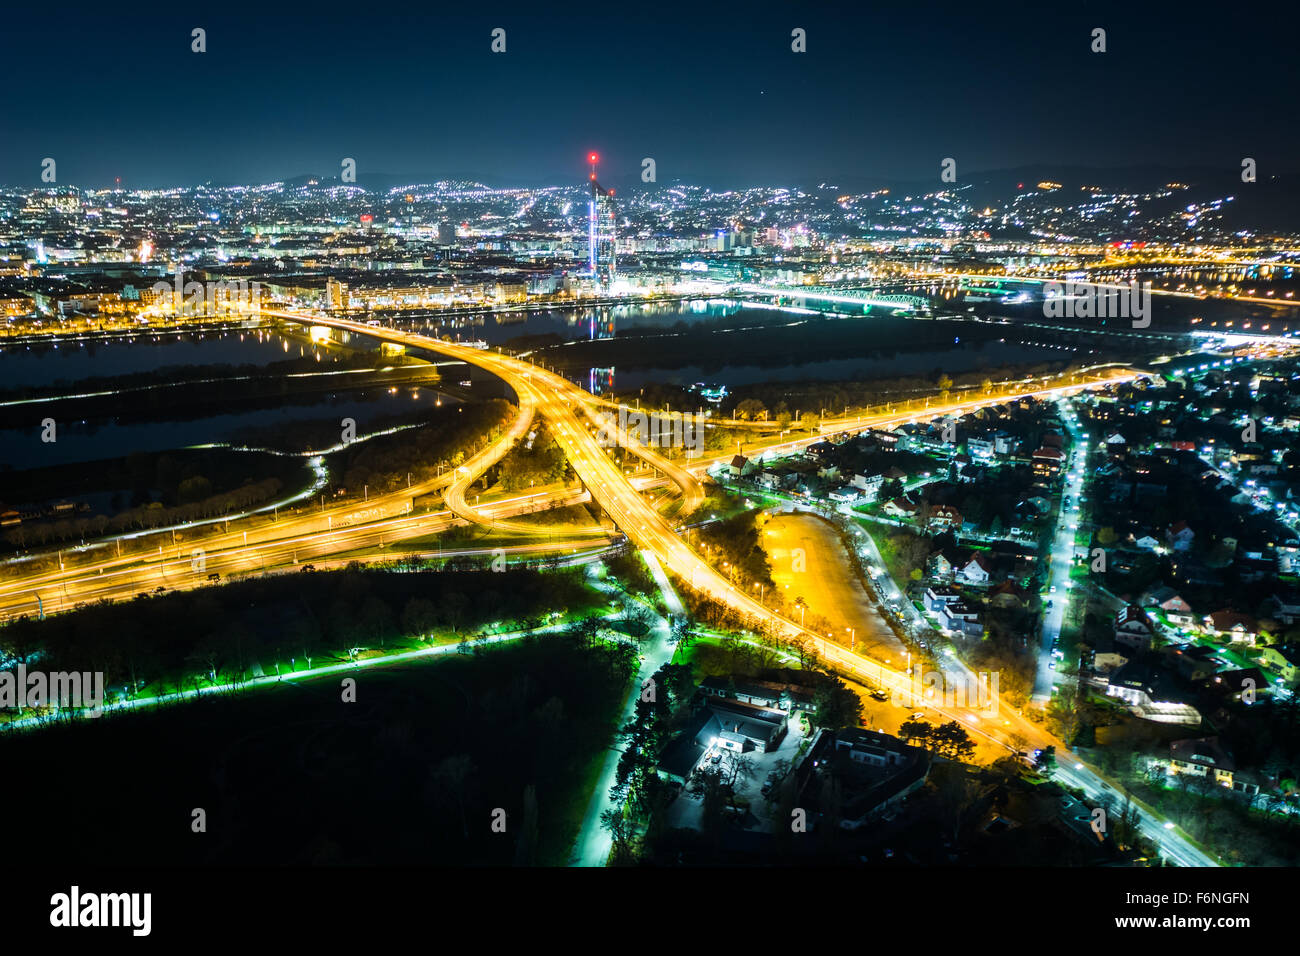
pixel 959 796
pixel 751 409
pixel 912 730
pixel 740 769
pixel 451 782
pixel 375 622
pixel 836 705
pixel 526 849
pixel 306 638
pixel 951 740
pixel 616 823
pixel 707 783
pixel 454 607
pixel 419 617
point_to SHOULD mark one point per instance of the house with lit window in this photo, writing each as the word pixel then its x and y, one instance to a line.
pixel 944 518
pixel 869 485
pixel 1171 603
pixel 976 570
pixel 1133 628
pixel 737 726
pixel 1047 462
pixel 901 508
pixel 1207 757
pixel 1281 660
pixel 1233 626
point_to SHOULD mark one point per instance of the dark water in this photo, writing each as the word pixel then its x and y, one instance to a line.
pixel 962 357
pixel 573 324
pixel 71 361
pixel 94 440
pixel 971 348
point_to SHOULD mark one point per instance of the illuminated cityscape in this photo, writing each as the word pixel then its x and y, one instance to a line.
pixel 784 456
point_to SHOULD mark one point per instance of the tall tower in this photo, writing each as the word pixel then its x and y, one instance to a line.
pixel 601 221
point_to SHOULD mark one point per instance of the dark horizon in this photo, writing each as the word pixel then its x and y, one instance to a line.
pixel 1148 175
pixel 712 96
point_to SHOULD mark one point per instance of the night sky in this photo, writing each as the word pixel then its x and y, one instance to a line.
pixel 711 91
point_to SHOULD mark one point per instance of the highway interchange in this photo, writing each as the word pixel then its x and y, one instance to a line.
pixel 575 419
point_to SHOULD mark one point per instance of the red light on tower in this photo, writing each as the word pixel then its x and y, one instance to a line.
pixel 593 158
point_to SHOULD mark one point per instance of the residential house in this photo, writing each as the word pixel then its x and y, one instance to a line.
pixel 960 617
pixel 1176 610
pixel 1133 628
pixel 976 570
pixel 1236 627
pixel 1108 658
pixel 881 773
pixel 1246 685
pixel 738 726
pixel 944 518
pixel 820 451
pixel 901 508
pixel 1207 757
pixel 1047 462
pixel 1282 660
pixel 771 694
pixel 869 485
pixel 937 596
pixel 978 446
pixel 1192 662
pixel 938 566
pixel 1008 594
pixel 1180 536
